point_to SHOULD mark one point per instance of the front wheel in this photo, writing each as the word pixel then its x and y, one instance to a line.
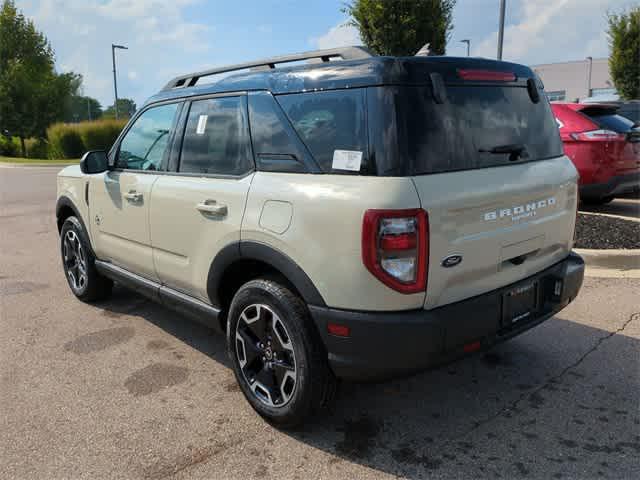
pixel 277 356
pixel 78 262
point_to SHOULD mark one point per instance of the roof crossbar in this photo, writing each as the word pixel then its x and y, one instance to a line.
pixel 344 53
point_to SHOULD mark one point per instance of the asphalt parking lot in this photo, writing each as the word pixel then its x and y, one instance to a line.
pixel 128 389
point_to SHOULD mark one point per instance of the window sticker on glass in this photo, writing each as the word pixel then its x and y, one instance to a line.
pixel 347 160
pixel 202 124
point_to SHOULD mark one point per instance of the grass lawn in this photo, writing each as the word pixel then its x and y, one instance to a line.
pixel 37 161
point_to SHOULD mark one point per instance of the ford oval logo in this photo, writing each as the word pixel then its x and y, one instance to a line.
pixel 451 260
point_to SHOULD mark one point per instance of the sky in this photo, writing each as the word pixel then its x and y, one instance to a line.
pixel 166 38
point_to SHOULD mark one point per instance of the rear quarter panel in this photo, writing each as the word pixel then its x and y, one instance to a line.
pixel 589 158
pixel 323 233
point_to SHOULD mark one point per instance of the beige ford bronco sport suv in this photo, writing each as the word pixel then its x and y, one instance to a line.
pixel 348 216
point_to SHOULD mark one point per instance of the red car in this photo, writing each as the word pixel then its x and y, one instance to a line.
pixel 604 147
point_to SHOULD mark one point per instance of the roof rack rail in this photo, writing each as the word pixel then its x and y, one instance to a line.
pixel 344 53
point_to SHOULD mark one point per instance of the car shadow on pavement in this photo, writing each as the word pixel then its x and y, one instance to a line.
pixel 540 405
pixel 559 401
pixel 192 333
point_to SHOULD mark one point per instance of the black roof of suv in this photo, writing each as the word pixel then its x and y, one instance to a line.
pixel 355 67
pixel 407 115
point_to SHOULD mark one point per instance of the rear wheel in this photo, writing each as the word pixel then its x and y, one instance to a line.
pixel 78 263
pixel 277 357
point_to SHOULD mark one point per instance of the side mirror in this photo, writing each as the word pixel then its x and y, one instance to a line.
pixel 94 161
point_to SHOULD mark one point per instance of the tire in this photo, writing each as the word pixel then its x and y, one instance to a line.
pixel 265 309
pixel 78 263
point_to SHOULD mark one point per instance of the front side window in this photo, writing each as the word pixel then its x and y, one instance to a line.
pixel 144 146
pixel 330 122
pixel 216 138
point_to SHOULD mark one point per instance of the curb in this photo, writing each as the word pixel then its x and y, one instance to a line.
pixel 612 215
pixel 38 165
pixel 611 263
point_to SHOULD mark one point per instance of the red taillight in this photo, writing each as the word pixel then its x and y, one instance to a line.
pixel 404 241
pixel 596 136
pixel 486 75
pixel 395 248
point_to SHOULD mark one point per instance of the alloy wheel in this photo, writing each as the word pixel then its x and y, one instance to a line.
pixel 74 261
pixel 266 355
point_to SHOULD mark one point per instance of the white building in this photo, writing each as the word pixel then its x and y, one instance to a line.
pixel 577 80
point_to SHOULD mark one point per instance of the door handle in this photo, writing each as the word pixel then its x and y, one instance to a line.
pixel 211 207
pixel 133 196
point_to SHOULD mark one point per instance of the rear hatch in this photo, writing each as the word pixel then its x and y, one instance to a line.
pixel 487 163
pixel 623 146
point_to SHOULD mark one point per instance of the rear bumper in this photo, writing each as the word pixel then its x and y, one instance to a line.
pixel 384 345
pixel 618 185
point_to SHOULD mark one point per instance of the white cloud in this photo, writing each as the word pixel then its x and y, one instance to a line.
pixel 126 9
pixel 551 31
pixel 342 35
pixel 155 31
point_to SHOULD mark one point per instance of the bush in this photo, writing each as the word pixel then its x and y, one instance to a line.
pixel 101 134
pixel 9 147
pixel 37 148
pixel 65 141
pixel 71 140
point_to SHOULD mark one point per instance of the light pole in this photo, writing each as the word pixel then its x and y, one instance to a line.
pixel 589 76
pixel 115 82
pixel 468 42
pixel 501 28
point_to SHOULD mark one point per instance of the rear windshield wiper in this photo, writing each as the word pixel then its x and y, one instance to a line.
pixel 515 151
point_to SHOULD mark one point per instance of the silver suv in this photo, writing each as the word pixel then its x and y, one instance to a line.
pixel 354 216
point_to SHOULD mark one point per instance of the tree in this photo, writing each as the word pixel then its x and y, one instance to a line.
pixel 79 108
pixel 402 27
pixel 32 94
pixel 126 108
pixel 624 61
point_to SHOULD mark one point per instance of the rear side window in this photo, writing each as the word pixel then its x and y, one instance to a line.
pixel 275 144
pixel 610 121
pixel 216 138
pixel 411 134
pixel 330 121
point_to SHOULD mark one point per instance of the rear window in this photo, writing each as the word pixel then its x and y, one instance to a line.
pixel 611 121
pixel 330 121
pixel 631 111
pixel 411 134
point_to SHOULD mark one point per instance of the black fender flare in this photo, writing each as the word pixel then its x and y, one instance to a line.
pixel 63 202
pixel 66 202
pixel 250 250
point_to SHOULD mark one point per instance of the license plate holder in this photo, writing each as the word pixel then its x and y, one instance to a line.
pixel 519 304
